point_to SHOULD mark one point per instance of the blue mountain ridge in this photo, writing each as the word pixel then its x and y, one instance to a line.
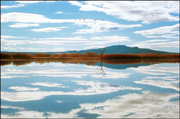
pixel 115 49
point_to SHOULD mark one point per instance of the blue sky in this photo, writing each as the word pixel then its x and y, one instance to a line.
pixel 55 26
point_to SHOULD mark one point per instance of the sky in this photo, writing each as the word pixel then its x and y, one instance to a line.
pixel 57 26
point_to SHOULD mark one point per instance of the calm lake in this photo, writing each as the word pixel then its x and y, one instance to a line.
pixel 66 90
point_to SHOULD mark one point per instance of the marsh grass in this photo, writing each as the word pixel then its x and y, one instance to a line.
pixel 89 55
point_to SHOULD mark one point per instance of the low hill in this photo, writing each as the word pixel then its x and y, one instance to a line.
pixel 115 49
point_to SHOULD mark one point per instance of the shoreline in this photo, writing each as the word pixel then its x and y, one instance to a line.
pixel 32 59
pixel 86 61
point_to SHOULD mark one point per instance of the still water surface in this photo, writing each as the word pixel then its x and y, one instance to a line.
pixel 57 90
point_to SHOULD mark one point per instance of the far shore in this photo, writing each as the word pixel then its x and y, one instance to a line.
pixel 89 55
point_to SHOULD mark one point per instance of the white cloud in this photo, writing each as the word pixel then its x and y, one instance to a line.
pixel 5 77
pixel 18 88
pixel 28 49
pixel 12 6
pixel 12 107
pixel 48 29
pixel 67 41
pixel 30 18
pixel 161 43
pixel 8 37
pixel 94 26
pixel 145 11
pixel 29 2
pixel 22 25
pixel 111 38
pixel 165 32
pixel 75 3
pixel 48 84
pixel 58 12
pixel 22 4
pixel 62 38
pixel 101 26
pixel 93 47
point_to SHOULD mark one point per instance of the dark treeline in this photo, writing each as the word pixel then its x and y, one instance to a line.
pixel 89 55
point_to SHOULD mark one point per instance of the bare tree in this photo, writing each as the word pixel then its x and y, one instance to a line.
pixel 101 52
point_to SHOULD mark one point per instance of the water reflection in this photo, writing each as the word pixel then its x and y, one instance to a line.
pixel 66 90
pixel 145 105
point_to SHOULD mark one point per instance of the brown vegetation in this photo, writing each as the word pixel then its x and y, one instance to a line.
pixel 5 56
pixel 142 56
pixel 89 55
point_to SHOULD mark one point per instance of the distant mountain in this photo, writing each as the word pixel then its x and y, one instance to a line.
pixel 4 51
pixel 115 49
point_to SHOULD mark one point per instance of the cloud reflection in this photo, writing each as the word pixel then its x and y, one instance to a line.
pixel 48 84
pixel 164 77
pixel 18 88
pixel 96 88
pixel 145 105
pixel 75 73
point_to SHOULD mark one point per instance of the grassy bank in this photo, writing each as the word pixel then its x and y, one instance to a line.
pixel 89 55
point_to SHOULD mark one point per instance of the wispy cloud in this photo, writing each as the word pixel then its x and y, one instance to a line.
pixel 30 18
pixel 48 29
pixel 145 11
pixel 157 43
pixel 12 107
pixel 78 40
pixel 48 84
pixel 12 6
pixel 22 4
pixel 95 26
pixel 93 47
pixel 161 32
pixel 163 77
pixel 9 37
pixel 58 12
pixel 159 83
pixel 22 25
pixel 109 38
pixel 19 88
pixel 101 26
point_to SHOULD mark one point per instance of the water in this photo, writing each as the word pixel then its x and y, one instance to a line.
pixel 58 90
